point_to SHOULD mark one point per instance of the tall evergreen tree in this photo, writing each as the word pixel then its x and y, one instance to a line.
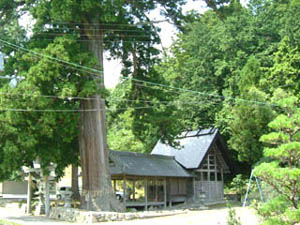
pixel 90 27
pixel 282 170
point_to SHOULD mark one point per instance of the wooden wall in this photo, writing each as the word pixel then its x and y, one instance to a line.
pixel 209 180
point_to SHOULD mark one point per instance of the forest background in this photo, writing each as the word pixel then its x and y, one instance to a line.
pixel 223 70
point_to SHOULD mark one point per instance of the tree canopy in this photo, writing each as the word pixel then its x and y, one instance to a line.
pixel 222 70
pixel 60 67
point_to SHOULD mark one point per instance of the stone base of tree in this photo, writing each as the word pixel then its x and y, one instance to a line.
pixel 82 216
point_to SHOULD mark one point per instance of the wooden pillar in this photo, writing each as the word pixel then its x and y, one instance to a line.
pixel 194 186
pixel 47 196
pixel 115 185
pixel 201 188
pixel 133 194
pixel 222 182
pixel 208 178
pixel 222 179
pixel 172 182
pixel 217 194
pixel 215 162
pixel 146 194
pixel 124 190
pixel 156 189
pixel 28 210
pixel 165 192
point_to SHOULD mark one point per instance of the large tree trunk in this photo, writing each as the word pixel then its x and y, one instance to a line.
pixel 97 194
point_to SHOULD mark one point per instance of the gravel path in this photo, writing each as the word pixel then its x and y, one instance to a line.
pixel 204 217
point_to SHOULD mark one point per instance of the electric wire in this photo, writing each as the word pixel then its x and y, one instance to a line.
pixel 62 29
pixel 66 110
pixel 109 24
pixel 152 83
pixel 94 35
pixel 201 93
pixel 56 62
pixel 51 58
pixel 89 40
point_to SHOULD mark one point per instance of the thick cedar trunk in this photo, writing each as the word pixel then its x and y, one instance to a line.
pixel 97 193
pixel 75 187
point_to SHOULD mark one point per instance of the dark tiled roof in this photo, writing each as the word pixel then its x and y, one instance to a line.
pixel 137 164
pixel 194 146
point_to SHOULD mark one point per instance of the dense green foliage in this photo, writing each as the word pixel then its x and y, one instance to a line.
pixel 238 185
pixel 225 71
pixel 282 171
pixel 222 71
pixel 53 62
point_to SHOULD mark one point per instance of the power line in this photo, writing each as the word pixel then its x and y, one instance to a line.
pixel 46 110
pixel 143 81
pixel 51 58
pixel 175 103
pixel 58 63
pixel 95 35
pixel 76 32
pixel 201 93
pixel 136 25
pixel 48 96
pixel 66 110
pixel 155 101
pixel 105 41
pixel 93 29
pixel 110 24
pixel 188 102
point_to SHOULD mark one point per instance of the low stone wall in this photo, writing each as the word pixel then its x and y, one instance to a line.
pixel 81 216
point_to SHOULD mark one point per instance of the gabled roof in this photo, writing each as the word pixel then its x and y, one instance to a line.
pixel 194 146
pixel 137 164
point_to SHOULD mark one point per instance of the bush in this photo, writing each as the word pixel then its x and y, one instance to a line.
pixel 232 218
pixel 238 185
pixel 278 211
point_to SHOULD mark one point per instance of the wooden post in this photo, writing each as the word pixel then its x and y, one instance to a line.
pixel 156 189
pixel 47 196
pixel 115 185
pixel 217 194
pixel 215 161
pixel 133 194
pixel 194 186
pixel 165 192
pixel 208 178
pixel 28 210
pixel 222 181
pixel 124 190
pixel 171 182
pixel 146 194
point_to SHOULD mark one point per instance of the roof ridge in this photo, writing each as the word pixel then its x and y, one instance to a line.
pixel 209 131
pixel 142 154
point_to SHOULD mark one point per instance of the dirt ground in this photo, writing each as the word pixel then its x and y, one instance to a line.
pixel 203 217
